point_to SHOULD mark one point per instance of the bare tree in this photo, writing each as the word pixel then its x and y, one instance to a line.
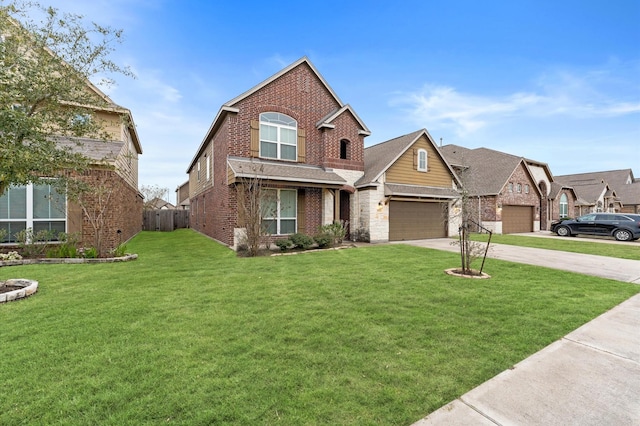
pixel 255 202
pixel 151 193
pixel 468 210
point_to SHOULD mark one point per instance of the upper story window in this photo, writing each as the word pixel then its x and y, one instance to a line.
pixel 519 188
pixel 422 160
pixel 278 136
pixel 344 149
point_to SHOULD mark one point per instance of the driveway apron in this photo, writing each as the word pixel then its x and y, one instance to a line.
pixel 589 377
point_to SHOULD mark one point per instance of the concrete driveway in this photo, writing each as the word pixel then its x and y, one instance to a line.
pixel 589 377
pixel 599 266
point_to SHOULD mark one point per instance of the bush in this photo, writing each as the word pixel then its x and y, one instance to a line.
pixel 89 252
pixel 34 244
pixel 283 244
pixel 119 251
pixel 336 231
pixel 12 255
pixel 301 241
pixel 323 239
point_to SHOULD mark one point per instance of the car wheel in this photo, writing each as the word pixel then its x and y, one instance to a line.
pixel 622 235
pixel 563 231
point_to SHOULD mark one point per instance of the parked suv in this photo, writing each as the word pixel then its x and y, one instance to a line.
pixel 621 226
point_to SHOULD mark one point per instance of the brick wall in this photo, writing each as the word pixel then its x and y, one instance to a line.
pixel 519 177
pixel 123 211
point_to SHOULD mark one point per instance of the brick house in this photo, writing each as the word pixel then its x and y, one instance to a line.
pixel 610 191
pixel 508 192
pixel 293 133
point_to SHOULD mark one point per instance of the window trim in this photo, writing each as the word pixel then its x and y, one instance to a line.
pixel 279 125
pixel 30 220
pixel 422 151
pixel 278 218
pixel 563 205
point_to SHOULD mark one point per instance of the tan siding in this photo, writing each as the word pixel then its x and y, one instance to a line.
pixel 404 169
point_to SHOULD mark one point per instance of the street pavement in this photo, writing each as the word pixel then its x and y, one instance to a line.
pixel 589 377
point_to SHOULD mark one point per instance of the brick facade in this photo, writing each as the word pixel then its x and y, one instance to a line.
pixel 123 210
pixel 303 96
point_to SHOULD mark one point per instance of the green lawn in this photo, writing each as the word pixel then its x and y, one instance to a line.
pixel 191 334
pixel 628 250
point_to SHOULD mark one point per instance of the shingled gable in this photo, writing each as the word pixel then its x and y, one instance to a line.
pixel 230 106
pixel 378 158
pixel 489 170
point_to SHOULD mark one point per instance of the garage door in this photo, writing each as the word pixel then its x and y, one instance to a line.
pixel 409 220
pixel 517 219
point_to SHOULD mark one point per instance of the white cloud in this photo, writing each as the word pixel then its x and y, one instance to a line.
pixel 557 94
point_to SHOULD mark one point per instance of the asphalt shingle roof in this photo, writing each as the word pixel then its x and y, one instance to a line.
pixel 488 170
pixel 264 169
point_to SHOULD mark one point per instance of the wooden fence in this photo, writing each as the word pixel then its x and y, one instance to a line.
pixel 165 220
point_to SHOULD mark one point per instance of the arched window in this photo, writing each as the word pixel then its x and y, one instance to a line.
pixel 564 206
pixel 278 136
pixel 422 160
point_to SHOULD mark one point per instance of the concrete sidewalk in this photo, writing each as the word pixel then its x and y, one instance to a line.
pixel 589 377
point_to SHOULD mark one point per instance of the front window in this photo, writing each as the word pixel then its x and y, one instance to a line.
pixel 422 160
pixel 280 211
pixel 278 136
pixel 564 206
pixel 39 207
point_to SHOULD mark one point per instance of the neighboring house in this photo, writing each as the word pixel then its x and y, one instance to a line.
pixel 115 201
pixel 182 196
pixel 562 203
pixel 508 192
pixel 294 134
pixel 160 204
pixel 407 191
pixel 608 191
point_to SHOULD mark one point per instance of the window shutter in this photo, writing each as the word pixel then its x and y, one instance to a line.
pixel 302 152
pixel 255 138
pixel 301 211
pixel 415 159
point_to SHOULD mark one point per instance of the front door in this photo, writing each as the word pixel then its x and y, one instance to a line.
pixel 345 212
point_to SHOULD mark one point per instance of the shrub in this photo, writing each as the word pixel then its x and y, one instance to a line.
pixel 323 239
pixel 34 244
pixel 336 231
pixel 283 244
pixel 302 241
pixel 12 255
pixel 3 235
pixel 89 252
pixel 119 251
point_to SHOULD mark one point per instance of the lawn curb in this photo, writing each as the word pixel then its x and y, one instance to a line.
pixel 73 260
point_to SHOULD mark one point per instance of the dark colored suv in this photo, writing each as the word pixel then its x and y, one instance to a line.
pixel 621 226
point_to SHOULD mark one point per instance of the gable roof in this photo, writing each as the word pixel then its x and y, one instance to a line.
pixel 489 170
pixel 621 182
pixel 378 158
pixel 231 106
pixel 327 120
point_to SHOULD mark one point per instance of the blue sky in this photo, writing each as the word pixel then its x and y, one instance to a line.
pixel 554 81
